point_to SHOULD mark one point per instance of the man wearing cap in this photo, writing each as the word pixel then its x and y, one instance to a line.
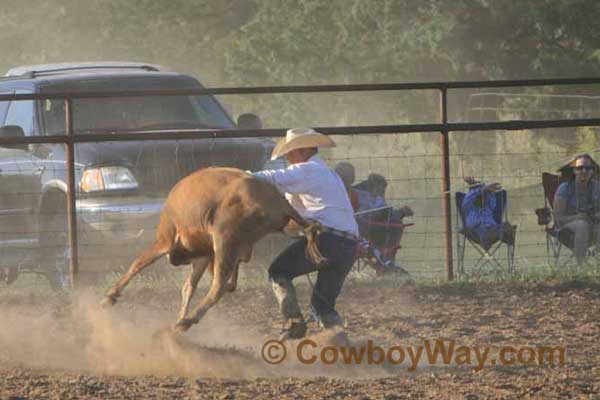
pixel 318 194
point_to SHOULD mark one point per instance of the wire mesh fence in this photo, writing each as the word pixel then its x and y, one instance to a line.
pixel 121 183
pixel 113 229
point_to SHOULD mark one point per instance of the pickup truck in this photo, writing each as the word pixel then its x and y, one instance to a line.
pixel 120 185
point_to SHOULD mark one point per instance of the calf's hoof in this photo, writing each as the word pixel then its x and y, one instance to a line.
pixel 109 301
pixel 230 287
pixel 183 325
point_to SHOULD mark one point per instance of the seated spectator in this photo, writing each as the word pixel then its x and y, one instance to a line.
pixel 383 226
pixel 478 210
pixel 371 192
pixel 249 121
pixel 346 171
pixel 371 195
pixel 577 204
pixel 380 263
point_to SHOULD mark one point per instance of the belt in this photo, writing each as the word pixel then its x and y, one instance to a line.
pixel 337 232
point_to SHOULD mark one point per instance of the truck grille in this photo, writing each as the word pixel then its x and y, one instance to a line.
pixel 159 168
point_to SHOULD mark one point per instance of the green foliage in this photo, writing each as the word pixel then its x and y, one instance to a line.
pixel 340 41
pixel 312 41
pixel 181 34
pixel 360 41
pixel 270 42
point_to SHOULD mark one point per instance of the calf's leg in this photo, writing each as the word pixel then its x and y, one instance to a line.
pixel 189 286
pixel 148 256
pixel 224 262
pixel 232 283
pixel 246 255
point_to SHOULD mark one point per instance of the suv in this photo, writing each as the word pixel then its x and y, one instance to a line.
pixel 121 186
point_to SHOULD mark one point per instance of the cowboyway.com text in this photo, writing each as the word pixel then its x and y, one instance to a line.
pixel 432 352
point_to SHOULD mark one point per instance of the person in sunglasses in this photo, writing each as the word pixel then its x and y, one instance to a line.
pixel 577 205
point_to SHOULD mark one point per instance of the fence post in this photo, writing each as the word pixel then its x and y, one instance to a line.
pixel 446 210
pixel 71 193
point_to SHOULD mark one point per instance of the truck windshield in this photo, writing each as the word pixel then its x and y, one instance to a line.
pixel 135 113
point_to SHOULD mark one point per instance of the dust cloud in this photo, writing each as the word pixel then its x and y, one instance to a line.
pixel 84 337
pixel 122 341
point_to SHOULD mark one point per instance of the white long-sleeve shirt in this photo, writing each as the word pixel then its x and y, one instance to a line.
pixel 316 192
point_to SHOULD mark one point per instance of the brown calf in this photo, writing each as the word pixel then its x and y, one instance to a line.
pixel 212 218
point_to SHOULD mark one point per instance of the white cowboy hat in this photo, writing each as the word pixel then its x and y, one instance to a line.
pixel 300 138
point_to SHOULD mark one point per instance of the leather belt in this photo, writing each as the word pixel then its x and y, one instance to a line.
pixel 337 232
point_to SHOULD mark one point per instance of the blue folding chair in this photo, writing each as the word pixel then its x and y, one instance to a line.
pixel 486 256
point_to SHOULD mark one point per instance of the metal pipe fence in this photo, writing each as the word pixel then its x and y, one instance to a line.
pixel 448 159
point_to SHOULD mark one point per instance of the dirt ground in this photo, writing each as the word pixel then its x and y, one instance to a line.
pixel 61 347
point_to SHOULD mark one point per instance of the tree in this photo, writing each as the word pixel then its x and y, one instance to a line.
pixel 313 41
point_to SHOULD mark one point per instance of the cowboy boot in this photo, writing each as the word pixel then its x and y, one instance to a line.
pixel 333 324
pixel 330 321
pixel 294 326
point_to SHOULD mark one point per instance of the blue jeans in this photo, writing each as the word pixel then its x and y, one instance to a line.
pixel 292 262
pixel 487 235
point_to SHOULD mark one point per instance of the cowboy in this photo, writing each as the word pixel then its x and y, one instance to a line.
pixel 318 194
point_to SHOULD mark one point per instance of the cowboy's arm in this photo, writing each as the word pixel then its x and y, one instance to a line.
pixel 292 179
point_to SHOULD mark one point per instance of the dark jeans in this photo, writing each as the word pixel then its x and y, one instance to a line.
pixel 339 252
pixel 487 235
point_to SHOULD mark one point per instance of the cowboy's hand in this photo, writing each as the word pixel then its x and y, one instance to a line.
pixel 492 187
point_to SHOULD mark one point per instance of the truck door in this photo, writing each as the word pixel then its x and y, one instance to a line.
pixel 20 188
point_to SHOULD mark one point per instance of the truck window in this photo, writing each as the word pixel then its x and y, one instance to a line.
pixel 20 113
pixel 131 113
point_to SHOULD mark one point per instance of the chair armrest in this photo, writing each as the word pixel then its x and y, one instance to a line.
pixel 544 216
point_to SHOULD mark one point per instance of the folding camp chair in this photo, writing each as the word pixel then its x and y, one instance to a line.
pixel 486 256
pixel 381 238
pixel 555 238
